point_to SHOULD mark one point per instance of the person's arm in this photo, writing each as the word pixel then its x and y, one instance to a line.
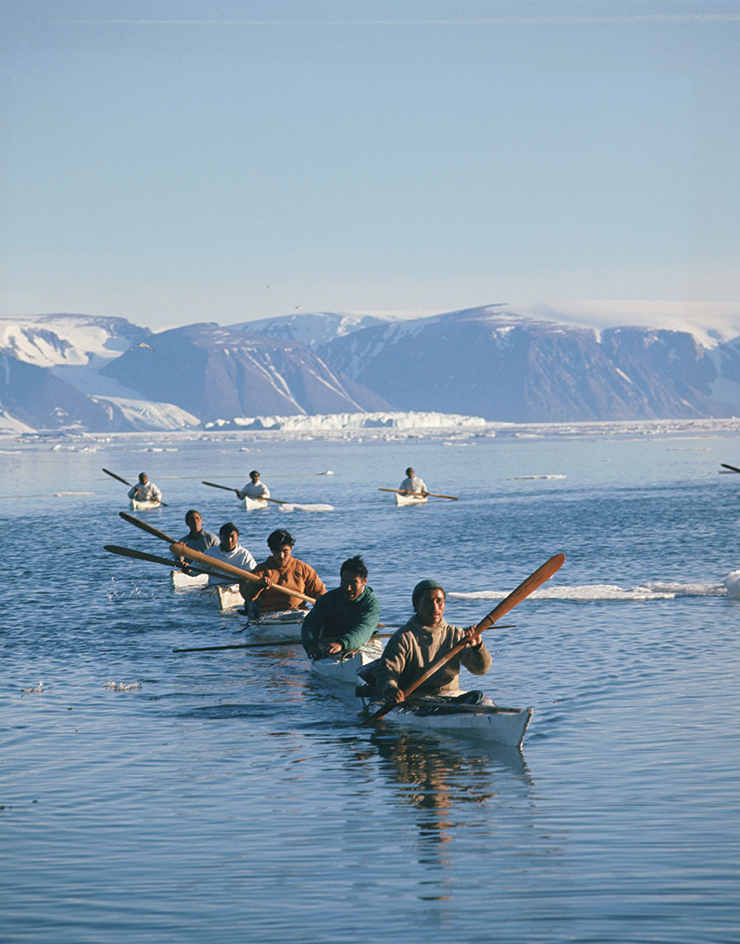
pixel 156 493
pixel 365 625
pixel 475 657
pixel 312 627
pixel 392 663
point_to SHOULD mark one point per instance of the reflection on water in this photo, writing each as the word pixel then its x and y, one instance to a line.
pixel 147 795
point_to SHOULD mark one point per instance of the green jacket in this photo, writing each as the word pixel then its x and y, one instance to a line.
pixel 333 619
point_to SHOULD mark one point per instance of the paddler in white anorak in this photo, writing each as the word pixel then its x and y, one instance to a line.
pixel 427 637
pixel 284 570
pixel 144 490
pixel 231 552
pixel 412 484
pixel 254 488
pixel 344 618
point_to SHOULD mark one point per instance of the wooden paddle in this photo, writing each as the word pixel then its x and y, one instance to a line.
pixel 400 491
pixel 730 467
pixel 226 488
pixel 180 550
pixel 516 596
pixel 141 555
pixel 287 642
pixel 114 476
pixel 138 523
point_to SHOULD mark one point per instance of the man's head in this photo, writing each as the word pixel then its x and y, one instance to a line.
pixel 352 578
pixel 194 521
pixel 410 472
pixel 429 598
pixel 143 478
pixel 281 544
pixel 254 476
pixel 229 534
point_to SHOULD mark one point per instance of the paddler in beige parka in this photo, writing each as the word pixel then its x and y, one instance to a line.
pixel 421 642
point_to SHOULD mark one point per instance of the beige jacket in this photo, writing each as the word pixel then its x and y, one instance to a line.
pixel 412 649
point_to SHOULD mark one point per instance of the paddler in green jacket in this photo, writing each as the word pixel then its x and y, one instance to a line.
pixel 344 618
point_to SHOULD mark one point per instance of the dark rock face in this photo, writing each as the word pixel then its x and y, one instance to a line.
pixel 504 367
pixel 36 397
pixel 219 373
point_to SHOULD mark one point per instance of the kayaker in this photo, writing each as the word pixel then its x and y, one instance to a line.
pixel 347 615
pixel 145 490
pixel 285 570
pixel 197 539
pixel 412 484
pixel 230 551
pixel 426 637
pixel 254 488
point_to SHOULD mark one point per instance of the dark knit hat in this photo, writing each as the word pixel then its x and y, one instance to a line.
pixel 426 585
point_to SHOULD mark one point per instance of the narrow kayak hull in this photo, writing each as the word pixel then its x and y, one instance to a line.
pixel 282 625
pixel 181 581
pixel 410 499
pixel 223 596
pixel 144 505
pixel 502 725
pixel 255 504
pixel 344 669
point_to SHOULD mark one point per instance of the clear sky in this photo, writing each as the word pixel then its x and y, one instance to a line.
pixel 172 161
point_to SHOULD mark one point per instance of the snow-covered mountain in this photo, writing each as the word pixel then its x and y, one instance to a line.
pixel 501 363
pixel 218 373
pixel 494 362
pixel 314 329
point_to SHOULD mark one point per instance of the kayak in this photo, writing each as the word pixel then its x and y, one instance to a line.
pixel 343 668
pixel 255 504
pixel 484 722
pixel 137 505
pixel 284 624
pixel 181 581
pixel 415 499
pixel 223 596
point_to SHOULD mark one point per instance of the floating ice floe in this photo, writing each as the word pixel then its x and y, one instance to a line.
pixel 37 690
pixel 587 593
pixel 732 584
pixel 123 686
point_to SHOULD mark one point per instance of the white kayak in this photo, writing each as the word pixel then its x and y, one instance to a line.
pixel 414 499
pixel 181 581
pixel 255 504
pixel 484 722
pixel 344 667
pixel 283 624
pixel 223 596
pixel 137 505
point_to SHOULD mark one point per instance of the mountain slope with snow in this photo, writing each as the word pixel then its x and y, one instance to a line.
pixel 218 373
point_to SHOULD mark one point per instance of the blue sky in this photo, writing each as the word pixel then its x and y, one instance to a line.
pixel 172 162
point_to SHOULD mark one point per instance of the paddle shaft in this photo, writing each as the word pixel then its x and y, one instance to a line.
pixel 138 523
pixel 141 555
pixel 730 467
pixel 400 491
pixel 181 551
pixel 226 488
pixel 114 476
pixel 516 596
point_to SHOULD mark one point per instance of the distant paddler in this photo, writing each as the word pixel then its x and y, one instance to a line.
pixel 254 489
pixel 344 618
pixel 145 491
pixel 283 570
pixel 413 484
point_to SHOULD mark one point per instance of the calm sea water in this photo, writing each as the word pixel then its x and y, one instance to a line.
pixel 230 796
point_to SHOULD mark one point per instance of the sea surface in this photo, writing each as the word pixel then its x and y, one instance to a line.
pixel 230 796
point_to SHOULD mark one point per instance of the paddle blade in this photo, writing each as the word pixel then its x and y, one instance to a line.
pixel 524 589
